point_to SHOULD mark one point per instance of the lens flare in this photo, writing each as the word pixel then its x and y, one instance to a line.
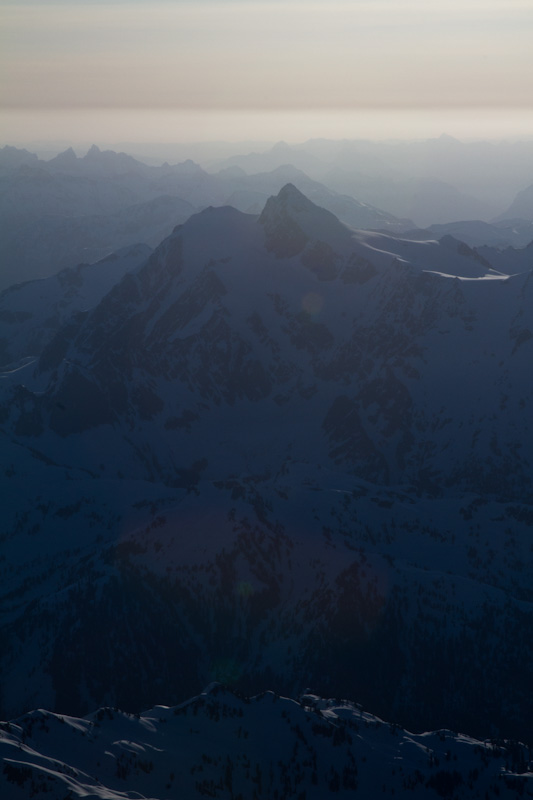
pixel 225 671
pixel 312 303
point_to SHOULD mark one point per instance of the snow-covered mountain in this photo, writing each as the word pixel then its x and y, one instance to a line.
pixel 510 260
pixel 278 454
pixel 222 745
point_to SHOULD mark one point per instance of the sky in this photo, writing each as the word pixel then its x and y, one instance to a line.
pixel 250 59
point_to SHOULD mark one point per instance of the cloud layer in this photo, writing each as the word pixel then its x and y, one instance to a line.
pixel 250 54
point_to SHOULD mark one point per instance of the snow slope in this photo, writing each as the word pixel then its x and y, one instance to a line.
pixel 223 745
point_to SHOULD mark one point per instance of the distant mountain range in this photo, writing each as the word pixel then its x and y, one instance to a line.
pixel 434 181
pixel 55 214
pixel 31 313
pixel 58 213
pixel 521 208
pixel 500 235
pixel 278 454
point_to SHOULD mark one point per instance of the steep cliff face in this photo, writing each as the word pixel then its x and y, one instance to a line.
pixel 280 454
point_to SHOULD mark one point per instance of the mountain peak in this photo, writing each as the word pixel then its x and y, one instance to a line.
pixel 289 171
pixel 291 220
pixel 445 138
pixel 293 198
pixel 93 151
pixel 66 157
pixel 280 147
pixel 13 157
pixel 188 167
pixel 284 235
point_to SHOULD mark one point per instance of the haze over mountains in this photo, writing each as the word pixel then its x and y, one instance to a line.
pixel 433 181
pixel 286 447
pixel 56 213
pixel 68 209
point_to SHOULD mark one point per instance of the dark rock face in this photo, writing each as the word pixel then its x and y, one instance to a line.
pixel 79 406
pixel 349 439
pixel 283 236
pixel 321 259
pixel 275 456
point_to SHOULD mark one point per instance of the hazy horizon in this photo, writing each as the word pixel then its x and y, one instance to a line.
pixel 55 129
pixel 246 70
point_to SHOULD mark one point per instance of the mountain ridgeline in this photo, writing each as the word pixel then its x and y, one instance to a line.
pixel 223 745
pixel 278 453
pixel 56 213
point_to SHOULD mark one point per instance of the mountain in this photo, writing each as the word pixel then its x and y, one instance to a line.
pixel 501 259
pixel 521 208
pixel 55 214
pixel 278 454
pixel 223 745
pixel 39 248
pixel 275 157
pixel 476 233
pixel 32 313
pixel 424 198
pixel 106 163
pixel 252 191
pixel 14 157
pixel 433 181
pixel 509 260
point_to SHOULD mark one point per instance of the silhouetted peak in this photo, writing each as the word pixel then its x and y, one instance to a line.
pixel 280 147
pixel 290 220
pixel 14 157
pixel 445 138
pixel 233 171
pixel 291 202
pixel 289 171
pixel 188 167
pixel 93 151
pixel 67 156
pixel 291 198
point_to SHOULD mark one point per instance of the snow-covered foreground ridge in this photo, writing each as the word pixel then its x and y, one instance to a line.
pixel 223 745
